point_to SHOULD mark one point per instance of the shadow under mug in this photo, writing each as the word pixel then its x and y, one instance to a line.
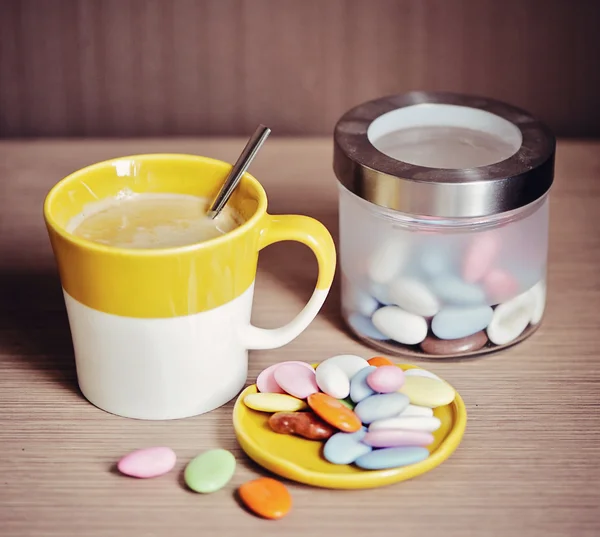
pixel 165 333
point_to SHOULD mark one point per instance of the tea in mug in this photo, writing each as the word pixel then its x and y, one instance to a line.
pixel 131 220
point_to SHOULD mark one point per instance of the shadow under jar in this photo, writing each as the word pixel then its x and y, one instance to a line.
pixel 443 207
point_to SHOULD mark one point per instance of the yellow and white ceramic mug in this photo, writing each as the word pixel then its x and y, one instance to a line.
pixel 165 333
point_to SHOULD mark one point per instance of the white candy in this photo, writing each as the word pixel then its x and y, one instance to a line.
pixel 400 325
pixel 388 260
pixel 538 294
pixel 511 318
pixel 415 372
pixel 415 410
pixel 411 423
pixel 414 296
pixel 348 363
pixel 332 380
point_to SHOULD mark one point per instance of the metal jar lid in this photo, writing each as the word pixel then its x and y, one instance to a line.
pixel 503 186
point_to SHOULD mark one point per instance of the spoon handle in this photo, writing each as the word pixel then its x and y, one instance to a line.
pixel 241 165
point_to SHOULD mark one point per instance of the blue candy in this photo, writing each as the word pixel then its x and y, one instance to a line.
pixel 455 323
pixel 345 448
pixel 359 389
pixel 381 406
pixel 391 457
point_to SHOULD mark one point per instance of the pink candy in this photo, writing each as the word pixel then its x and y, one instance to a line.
pixel 296 379
pixel 148 462
pixel 266 383
pixel 500 285
pixel 480 257
pixel 386 379
pixel 396 438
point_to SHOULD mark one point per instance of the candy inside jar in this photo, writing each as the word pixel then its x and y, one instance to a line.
pixel 444 252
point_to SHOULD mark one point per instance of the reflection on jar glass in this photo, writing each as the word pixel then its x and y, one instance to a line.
pixel 443 261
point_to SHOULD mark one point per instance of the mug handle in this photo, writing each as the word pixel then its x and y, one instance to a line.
pixel 308 231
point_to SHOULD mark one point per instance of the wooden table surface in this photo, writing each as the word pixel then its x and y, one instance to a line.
pixel 529 462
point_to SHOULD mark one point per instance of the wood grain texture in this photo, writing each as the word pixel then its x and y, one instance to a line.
pixel 527 467
pixel 220 67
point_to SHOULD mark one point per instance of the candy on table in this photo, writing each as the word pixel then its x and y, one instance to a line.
pixel 147 462
pixel 334 412
pixel 274 402
pixel 296 380
pixel 209 471
pixel 305 424
pixel 266 497
pixel 378 361
pixel 386 379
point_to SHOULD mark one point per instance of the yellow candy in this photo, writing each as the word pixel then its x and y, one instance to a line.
pixel 274 402
pixel 425 391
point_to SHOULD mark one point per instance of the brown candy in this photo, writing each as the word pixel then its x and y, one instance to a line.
pixel 305 424
pixel 433 345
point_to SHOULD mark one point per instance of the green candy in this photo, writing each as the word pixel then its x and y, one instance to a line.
pixel 209 471
pixel 348 403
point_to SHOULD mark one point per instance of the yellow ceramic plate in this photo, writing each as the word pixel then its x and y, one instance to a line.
pixel 300 460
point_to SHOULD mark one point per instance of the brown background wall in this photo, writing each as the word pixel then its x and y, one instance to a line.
pixel 152 67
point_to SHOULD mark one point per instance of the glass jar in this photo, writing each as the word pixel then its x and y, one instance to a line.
pixel 443 207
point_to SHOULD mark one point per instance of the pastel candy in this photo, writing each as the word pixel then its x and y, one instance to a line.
pixel 435 260
pixel 265 382
pixel 414 410
pixel 359 389
pixel 455 292
pixel 210 471
pixel 408 423
pixel 538 294
pixel 296 380
pixel 400 325
pixel 381 292
pixel 147 462
pixel 414 296
pixel 386 379
pixel 387 260
pixel 456 323
pixel 350 364
pixel 274 402
pixel 417 372
pixel 365 327
pixel 480 256
pixel 345 448
pixel 360 301
pixel 384 438
pixel 332 380
pixel 436 346
pixel 499 285
pixel 381 406
pixel 424 391
pixel 381 459
pixel 510 319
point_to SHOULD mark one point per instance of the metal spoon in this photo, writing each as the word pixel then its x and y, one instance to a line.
pixel 241 165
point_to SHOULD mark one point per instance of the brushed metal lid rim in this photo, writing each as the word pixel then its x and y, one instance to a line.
pixel 487 190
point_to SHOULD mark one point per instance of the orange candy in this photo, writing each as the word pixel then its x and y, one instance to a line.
pixel 334 412
pixel 266 497
pixel 378 361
